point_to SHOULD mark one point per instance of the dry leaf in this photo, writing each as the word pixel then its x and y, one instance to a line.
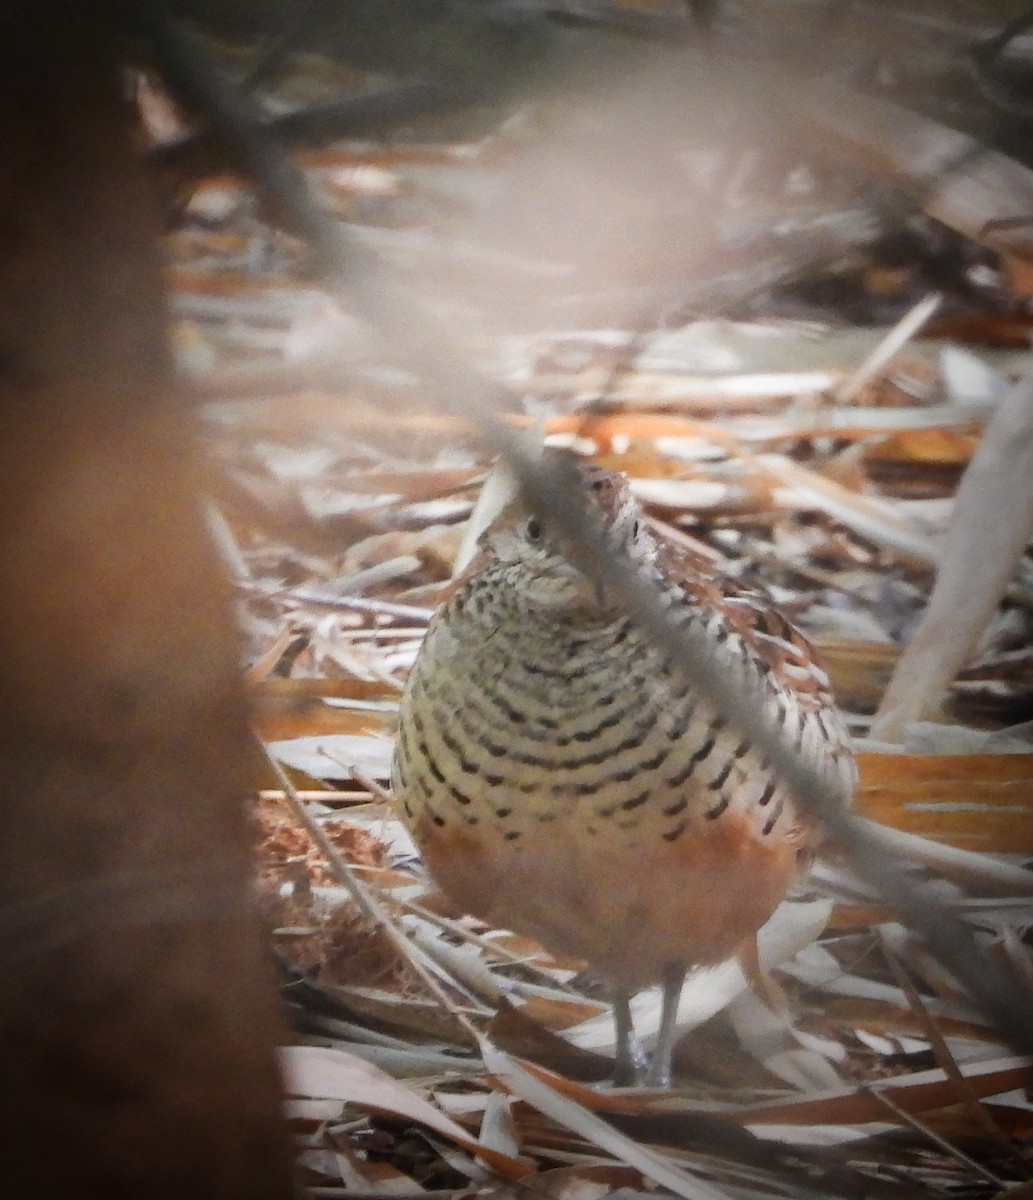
pixel 317 1072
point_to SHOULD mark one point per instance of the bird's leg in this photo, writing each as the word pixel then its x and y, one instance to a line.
pixel 630 1062
pixel 659 1073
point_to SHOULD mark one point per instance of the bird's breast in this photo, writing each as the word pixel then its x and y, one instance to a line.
pixel 567 784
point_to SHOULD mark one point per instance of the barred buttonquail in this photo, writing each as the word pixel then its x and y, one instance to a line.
pixel 563 781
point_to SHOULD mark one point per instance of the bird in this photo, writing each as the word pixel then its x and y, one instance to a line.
pixel 562 779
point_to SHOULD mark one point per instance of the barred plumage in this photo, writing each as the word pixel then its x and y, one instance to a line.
pixel 562 780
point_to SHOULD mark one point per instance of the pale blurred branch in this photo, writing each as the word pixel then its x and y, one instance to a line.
pixel 991 526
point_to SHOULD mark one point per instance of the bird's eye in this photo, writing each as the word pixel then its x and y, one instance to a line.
pixel 636 529
pixel 534 530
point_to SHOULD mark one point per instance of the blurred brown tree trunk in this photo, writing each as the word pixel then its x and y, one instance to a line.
pixel 137 1024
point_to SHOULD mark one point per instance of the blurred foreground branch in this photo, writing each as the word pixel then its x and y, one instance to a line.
pixel 137 1020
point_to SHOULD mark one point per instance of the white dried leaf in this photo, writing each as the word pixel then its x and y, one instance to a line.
pixel 321 757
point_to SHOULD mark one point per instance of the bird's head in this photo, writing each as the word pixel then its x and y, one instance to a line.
pixel 532 552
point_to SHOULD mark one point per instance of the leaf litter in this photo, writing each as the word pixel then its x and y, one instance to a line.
pixel 816 458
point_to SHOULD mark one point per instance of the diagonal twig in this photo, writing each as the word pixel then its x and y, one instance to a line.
pixel 367 902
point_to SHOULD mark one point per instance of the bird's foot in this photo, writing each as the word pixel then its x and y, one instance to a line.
pixel 631 1066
